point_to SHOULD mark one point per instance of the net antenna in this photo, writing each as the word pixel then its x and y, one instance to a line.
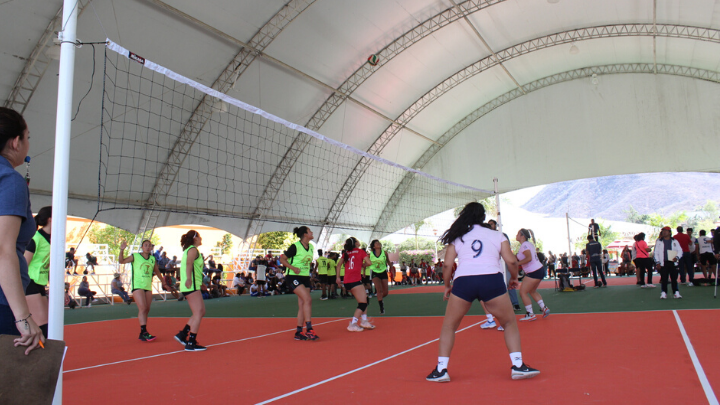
pixel 226 166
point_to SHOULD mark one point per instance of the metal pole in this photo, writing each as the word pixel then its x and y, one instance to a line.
pixel 497 204
pixel 567 222
pixel 60 178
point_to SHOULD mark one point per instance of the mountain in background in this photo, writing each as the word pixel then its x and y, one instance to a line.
pixel 609 197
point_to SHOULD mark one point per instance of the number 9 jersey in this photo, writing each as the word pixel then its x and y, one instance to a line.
pixel 478 252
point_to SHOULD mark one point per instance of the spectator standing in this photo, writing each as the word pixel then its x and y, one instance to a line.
pixel 594 250
pixel 551 259
pixel 685 261
pixel 643 262
pixel 37 255
pixel 606 262
pixel 594 230
pixel 71 261
pixel 260 278
pixel 665 265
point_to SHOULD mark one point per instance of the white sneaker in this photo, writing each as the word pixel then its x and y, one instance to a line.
pixel 690 284
pixel 528 317
pixel 500 328
pixel 650 285
pixel 677 295
pixel 366 325
pixel 644 286
pixel 488 325
pixel 89 305
pixel 353 327
pixel 663 295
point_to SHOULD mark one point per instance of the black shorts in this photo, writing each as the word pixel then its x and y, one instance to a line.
pixel 260 282
pixel 382 275
pixel 324 279
pixel 186 293
pixel 141 289
pixel 34 288
pixel 708 258
pixel 366 280
pixel 350 286
pixel 297 281
pixel 483 287
pixel 537 274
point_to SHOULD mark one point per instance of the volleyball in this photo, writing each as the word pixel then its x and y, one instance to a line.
pixel 373 60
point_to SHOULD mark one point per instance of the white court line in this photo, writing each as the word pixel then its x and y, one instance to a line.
pixel 712 399
pixel 360 368
pixel 182 351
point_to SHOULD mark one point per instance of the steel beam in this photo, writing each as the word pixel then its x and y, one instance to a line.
pixel 514 51
pixel 513 94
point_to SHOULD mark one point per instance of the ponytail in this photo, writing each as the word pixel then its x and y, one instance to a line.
pixel 300 231
pixel 42 217
pixel 187 240
pixel 349 244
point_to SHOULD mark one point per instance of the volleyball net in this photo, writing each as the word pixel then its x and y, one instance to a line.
pixel 171 144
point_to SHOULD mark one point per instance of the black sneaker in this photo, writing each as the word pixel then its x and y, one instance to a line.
pixel 181 338
pixel 146 337
pixel 437 376
pixel 194 347
pixel 523 372
pixel 382 311
pixel 300 336
pixel 516 308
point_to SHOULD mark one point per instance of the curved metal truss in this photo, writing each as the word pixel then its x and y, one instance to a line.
pixel 203 112
pixel 336 99
pixel 581 34
pixel 647 68
pixel 36 64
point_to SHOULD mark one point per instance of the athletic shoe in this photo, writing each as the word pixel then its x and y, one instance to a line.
pixel 382 311
pixel 182 298
pixel 597 286
pixel 181 338
pixel 546 312
pixel 677 295
pixel 690 284
pixel 310 335
pixel 437 376
pixel 663 295
pixel 523 372
pixel 128 302
pixel 353 327
pixel 366 324
pixel 89 305
pixel 194 347
pixel 500 328
pixel 146 337
pixel 516 308
pixel 650 285
pixel 488 325
pixel 300 336
pixel 323 298
pixel 644 286
pixel 528 317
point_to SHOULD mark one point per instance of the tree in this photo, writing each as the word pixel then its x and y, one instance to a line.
pixel 488 203
pixel 388 246
pixel 635 217
pixel 225 244
pixel 276 240
pixel 113 237
pixel 416 229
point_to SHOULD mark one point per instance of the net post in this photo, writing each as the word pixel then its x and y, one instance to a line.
pixel 63 128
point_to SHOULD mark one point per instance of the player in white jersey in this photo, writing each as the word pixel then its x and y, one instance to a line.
pixel 534 273
pixel 479 276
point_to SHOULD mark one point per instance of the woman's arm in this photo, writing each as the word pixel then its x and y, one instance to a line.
pixel 192 254
pixel 526 253
pixel 450 255
pixel 11 283
pixel 122 259
pixel 284 262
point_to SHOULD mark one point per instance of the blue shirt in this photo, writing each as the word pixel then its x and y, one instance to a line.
pixel 15 200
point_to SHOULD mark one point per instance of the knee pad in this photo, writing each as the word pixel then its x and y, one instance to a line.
pixel 362 306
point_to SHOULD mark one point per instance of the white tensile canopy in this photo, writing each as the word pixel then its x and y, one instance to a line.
pixel 529 92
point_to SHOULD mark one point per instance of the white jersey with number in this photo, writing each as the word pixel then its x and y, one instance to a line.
pixel 705 244
pixel 534 263
pixel 478 252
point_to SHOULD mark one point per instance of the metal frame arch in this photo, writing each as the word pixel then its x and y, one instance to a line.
pixel 335 100
pixel 578 34
pixel 581 73
pixel 225 81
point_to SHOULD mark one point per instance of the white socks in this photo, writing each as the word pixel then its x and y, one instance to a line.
pixel 542 304
pixel 516 358
pixel 489 317
pixel 443 363
pixel 363 317
pixel 528 308
pixel 354 320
